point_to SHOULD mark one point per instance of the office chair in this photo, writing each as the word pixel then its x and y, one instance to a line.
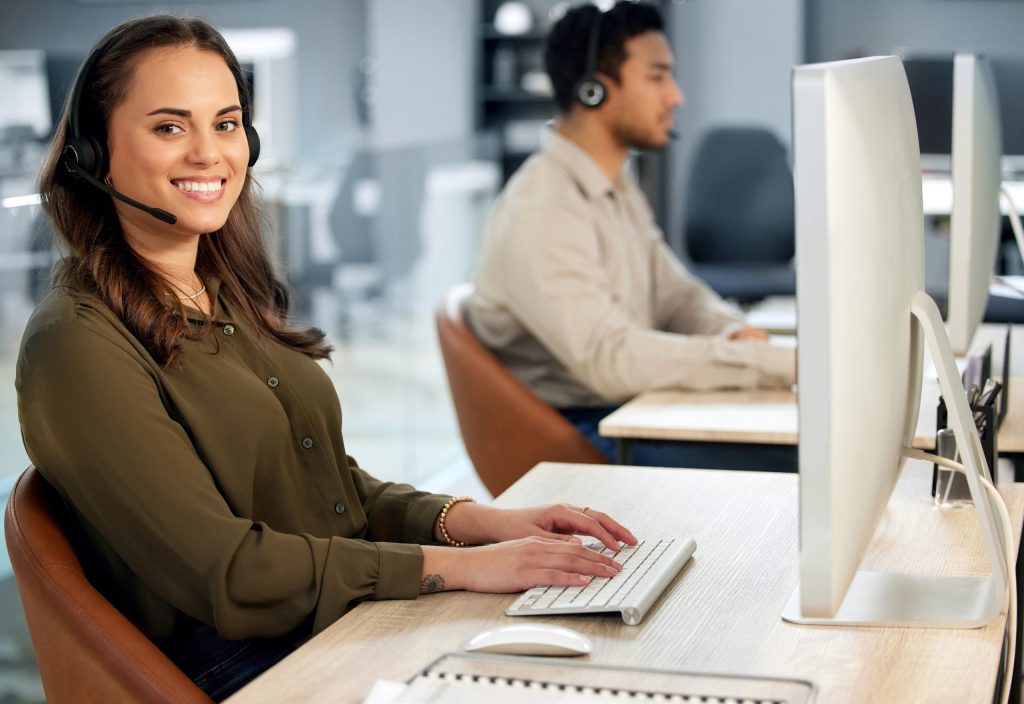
pixel 506 429
pixel 739 214
pixel 86 650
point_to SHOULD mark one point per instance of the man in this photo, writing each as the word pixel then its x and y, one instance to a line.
pixel 576 292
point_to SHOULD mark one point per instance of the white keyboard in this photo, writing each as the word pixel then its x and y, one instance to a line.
pixel 647 568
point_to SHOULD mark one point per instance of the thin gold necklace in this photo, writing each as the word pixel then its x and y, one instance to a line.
pixel 195 295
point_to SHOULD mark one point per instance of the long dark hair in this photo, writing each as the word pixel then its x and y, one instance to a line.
pixel 98 255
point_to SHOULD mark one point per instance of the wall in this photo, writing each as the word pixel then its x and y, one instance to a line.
pixel 330 37
pixel 734 61
pixel 838 29
pixel 423 56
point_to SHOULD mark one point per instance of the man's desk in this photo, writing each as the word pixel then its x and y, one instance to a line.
pixel 720 615
pixel 769 417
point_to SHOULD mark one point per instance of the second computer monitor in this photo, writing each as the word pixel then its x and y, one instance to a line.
pixel 976 220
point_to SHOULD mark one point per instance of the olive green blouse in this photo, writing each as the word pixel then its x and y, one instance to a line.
pixel 220 490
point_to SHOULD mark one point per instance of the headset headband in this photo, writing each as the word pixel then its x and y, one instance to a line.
pixel 590 91
pixel 592 45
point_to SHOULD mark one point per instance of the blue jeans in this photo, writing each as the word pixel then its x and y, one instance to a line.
pixel 221 667
pixel 668 453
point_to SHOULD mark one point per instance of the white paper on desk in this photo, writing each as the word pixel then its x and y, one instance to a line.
pixel 930 374
pixel 773 313
pixel 1007 287
pixel 437 691
pixel 385 692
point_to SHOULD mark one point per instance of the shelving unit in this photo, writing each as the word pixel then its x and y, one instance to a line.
pixel 503 106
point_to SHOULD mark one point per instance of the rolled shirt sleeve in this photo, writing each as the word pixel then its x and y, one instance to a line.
pixel 683 303
pixel 559 288
pixel 580 298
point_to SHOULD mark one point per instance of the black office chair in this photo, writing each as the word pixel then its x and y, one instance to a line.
pixel 739 214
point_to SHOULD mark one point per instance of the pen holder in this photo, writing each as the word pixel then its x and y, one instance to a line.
pixel 950 488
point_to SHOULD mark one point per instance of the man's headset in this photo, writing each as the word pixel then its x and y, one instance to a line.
pixel 590 90
pixel 85 155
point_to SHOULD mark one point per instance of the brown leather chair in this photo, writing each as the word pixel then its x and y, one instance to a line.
pixel 505 427
pixel 86 650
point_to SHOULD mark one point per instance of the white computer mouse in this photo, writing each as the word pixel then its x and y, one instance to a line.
pixel 530 639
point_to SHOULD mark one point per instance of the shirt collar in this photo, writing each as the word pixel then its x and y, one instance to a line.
pixel 583 169
pixel 221 313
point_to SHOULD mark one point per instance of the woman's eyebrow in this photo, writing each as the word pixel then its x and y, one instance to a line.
pixel 179 112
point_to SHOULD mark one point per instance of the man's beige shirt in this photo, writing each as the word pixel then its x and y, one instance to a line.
pixel 579 297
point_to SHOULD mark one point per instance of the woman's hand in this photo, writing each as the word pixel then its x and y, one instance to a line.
pixel 513 566
pixel 474 524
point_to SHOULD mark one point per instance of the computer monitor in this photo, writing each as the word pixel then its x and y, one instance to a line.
pixel 976 222
pixel 1009 75
pixel 931 89
pixel 863 316
pixel 931 85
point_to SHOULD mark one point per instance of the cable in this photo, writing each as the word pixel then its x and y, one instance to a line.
pixel 1011 594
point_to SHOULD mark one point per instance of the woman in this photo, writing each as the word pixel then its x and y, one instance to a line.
pixel 189 429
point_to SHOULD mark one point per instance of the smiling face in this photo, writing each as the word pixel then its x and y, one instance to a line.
pixel 642 103
pixel 177 143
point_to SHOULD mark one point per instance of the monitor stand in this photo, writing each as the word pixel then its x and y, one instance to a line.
pixel 922 601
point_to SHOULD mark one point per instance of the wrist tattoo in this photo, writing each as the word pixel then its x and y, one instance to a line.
pixel 432 583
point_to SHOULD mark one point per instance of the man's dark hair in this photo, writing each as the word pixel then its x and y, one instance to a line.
pixel 565 51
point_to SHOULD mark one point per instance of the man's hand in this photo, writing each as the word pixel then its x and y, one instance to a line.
pixel 749 332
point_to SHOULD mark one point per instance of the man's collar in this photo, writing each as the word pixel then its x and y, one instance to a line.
pixel 581 167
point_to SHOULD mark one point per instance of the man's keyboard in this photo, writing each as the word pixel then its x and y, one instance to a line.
pixel 647 569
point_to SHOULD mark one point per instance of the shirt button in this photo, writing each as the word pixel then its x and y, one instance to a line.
pixel 339 508
pixel 307 443
pixel 229 330
pixel 272 382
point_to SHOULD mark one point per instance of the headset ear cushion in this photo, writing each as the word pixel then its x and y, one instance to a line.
pixel 590 92
pixel 253 137
pixel 87 154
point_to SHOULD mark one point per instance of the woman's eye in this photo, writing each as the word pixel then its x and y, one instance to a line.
pixel 227 126
pixel 169 129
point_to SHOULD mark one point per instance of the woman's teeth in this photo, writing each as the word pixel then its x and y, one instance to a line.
pixel 200 187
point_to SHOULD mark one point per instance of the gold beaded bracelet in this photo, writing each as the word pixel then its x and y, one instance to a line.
pixel 444 515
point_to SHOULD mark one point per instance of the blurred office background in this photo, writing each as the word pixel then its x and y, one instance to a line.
pixel 388 128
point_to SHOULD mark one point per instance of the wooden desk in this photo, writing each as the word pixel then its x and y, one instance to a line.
pixel 767 417
pixel 720 615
